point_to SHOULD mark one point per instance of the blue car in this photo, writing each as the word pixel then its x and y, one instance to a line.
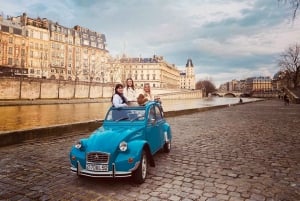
pixel 124 145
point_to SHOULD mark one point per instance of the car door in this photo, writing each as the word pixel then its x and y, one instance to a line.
pixel 153 130
pixel 160 123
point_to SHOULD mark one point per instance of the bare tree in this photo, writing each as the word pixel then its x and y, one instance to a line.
pixel 206 85
pixel 290 64
pixel 92 75
pixel 294 5
pixel 76 73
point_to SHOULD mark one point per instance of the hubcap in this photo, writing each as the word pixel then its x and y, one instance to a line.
pixel 144 167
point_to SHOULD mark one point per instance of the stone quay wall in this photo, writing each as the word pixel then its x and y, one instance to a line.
pixel 16 88
pixel 33 88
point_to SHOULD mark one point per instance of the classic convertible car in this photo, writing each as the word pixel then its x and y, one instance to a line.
pixel 124 145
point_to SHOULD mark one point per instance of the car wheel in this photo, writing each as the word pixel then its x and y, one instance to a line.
pixel 167 147
pixel 139 175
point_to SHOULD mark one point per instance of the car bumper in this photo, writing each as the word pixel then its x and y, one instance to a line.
pixel 107 174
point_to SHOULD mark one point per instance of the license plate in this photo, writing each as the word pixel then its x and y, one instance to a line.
pixel 96 167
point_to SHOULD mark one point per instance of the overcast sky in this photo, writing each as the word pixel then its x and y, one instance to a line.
pixel 226 39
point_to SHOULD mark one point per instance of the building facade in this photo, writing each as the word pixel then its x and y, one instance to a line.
pixel 155 71
pixel 187 77
pixel 248 85
pixel 13 48
pixel 259 84
pixel 40 48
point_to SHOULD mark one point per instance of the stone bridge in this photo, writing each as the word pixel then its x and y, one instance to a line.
pixel 227 93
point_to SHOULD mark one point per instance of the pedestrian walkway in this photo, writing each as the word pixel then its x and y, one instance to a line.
pixel 246 152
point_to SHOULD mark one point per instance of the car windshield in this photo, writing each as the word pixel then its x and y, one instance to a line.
pixel 126 114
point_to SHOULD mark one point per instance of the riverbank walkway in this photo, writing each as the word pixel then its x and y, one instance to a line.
pixel 246 152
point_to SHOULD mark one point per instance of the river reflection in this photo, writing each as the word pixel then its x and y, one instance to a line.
pixel 35 116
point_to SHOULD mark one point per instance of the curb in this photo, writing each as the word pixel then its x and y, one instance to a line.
pixel 16 137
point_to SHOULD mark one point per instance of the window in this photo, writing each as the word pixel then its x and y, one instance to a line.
pixel 22 62
pixel 10 50
pixel 158 113
pixel 151 114
pixel 10 61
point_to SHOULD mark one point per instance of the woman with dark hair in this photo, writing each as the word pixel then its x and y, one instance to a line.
pixel 130 92
pixel 118 99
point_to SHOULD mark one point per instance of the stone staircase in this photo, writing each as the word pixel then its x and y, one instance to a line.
pixel 294 94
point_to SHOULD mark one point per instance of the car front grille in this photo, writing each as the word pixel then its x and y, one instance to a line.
pixel 97 157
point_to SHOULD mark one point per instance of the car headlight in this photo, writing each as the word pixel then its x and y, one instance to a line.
pixel 78 144
pixel 123 146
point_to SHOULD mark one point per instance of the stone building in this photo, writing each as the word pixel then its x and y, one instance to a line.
pixel 91 62
pixel 41 48
pixel 259 84
pixel 37 38
pixel 248 85
pixel 187 77
pixel 155 71
pixel 13 48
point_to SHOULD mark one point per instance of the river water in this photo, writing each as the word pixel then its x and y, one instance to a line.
pixel 14 118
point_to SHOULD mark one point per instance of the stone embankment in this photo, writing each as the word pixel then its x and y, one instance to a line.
pixel 164 94
pixel 44 91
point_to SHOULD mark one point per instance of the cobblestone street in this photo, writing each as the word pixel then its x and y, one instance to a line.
pixel 248 152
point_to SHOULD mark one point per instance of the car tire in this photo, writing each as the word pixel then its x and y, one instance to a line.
pixel 167 147
pixel 139 175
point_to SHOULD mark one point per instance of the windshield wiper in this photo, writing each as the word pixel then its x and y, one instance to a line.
pixel 122 118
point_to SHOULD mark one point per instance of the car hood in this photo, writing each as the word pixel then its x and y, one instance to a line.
pixel 108 140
